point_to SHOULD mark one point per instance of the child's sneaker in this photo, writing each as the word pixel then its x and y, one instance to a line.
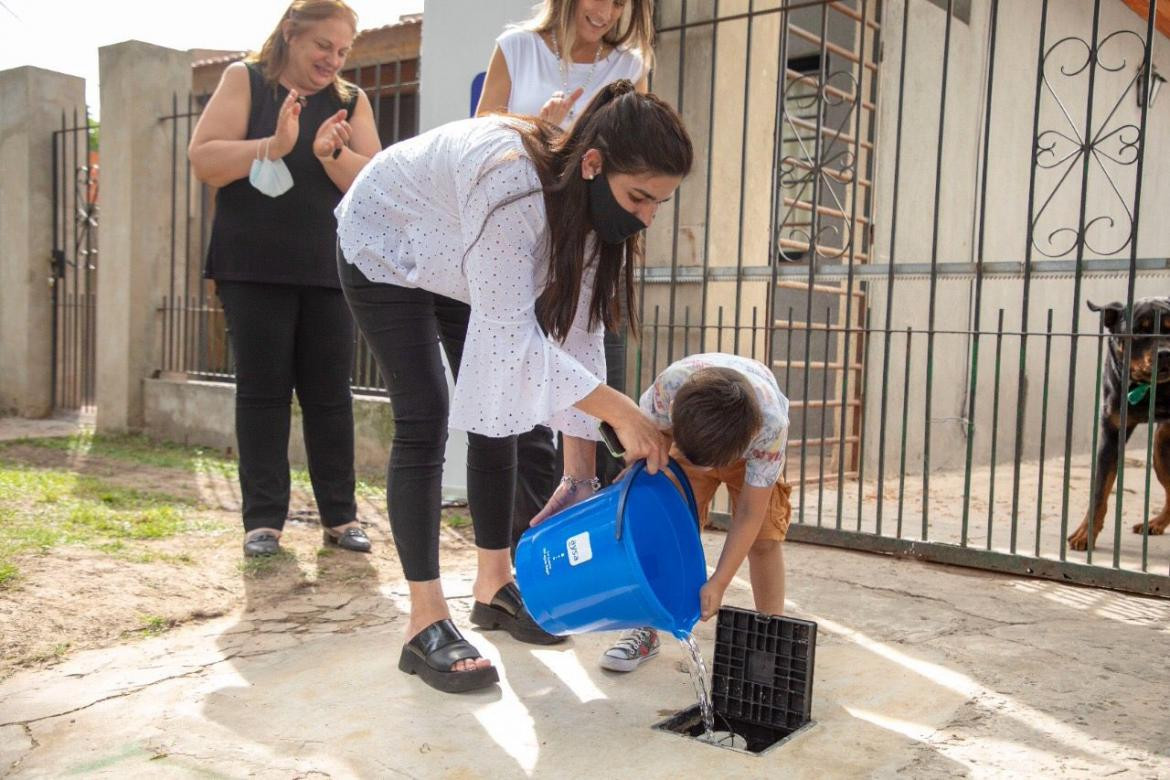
pixel 635 646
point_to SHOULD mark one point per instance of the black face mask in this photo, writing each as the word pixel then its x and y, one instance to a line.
pixel 612 222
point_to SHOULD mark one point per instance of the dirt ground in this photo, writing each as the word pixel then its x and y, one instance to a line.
pixel 73 597
pixel 922 670
pixel 87 596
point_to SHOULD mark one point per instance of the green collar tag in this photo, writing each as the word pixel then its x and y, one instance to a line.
pixel 1138 394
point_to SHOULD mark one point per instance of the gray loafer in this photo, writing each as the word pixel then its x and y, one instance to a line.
pixel 261 544
pixel 353 539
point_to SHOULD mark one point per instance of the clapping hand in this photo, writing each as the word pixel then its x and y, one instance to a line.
pixel 288 127
pixel 332 136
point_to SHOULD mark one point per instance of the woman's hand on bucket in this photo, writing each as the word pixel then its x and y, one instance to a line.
pixel 642 439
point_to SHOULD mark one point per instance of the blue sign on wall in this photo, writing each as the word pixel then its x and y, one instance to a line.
pixel 476 89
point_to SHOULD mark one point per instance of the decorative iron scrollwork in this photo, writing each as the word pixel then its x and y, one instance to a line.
pixel 801 230
pixel 1110 146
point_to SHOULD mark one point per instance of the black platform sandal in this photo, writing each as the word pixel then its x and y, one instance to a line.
pixel 507 612
pixel 437 648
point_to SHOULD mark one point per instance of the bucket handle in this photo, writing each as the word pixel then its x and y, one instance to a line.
pixel 673 465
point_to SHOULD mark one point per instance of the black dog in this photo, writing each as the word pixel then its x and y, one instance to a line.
pixel 1132 386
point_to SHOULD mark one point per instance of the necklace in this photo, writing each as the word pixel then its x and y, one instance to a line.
pixel 564 68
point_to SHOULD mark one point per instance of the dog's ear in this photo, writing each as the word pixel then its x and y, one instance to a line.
pixel 1112 314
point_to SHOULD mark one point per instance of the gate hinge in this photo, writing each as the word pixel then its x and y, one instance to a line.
pixel 59 263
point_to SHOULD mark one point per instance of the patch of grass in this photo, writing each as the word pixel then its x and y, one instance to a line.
pixel 9 574
pixel 266 565
pixel 457 520
pixel 54 653
pixel 362 488
pixel 153 625
pixel 44 508
pixel 374 491
pixel 138 449
pixel 152 556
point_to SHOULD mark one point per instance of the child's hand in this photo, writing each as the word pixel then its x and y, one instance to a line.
pixel 710 598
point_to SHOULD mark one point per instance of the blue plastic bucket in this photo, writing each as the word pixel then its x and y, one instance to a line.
pixel 626 557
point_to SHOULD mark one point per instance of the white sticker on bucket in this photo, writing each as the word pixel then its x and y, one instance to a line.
pixel 579 548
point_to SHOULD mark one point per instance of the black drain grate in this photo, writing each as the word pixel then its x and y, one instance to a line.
pixel 761 683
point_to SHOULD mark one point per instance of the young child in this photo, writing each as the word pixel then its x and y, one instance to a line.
pixel 729 425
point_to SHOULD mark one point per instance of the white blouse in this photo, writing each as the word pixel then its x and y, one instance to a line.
pixel 427 213
pixel 536 73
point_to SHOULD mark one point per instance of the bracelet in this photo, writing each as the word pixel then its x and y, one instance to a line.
pixel 572 482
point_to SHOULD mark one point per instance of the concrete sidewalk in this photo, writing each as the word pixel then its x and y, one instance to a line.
pixel 921 670
pixel 63 424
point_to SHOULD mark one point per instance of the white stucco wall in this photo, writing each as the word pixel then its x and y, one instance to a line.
pixel 457 41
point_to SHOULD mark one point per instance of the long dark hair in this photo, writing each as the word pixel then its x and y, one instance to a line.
pixel 636 134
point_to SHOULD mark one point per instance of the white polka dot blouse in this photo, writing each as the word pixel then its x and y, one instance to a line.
pixel 426 213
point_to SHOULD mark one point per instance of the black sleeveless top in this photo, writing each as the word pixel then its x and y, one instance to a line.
pixel 290 239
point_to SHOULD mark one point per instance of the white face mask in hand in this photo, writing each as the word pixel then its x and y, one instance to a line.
pixel 269 176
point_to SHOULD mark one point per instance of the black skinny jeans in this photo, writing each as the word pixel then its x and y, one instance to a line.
pixel 285 337
pixel 405 328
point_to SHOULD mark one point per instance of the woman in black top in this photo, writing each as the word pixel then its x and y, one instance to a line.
pixel 287 114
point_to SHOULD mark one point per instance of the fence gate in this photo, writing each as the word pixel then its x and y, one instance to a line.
pixel 905 208
pixel 74 261
pixel 194 328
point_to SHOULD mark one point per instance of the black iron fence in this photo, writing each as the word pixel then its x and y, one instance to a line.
pixel 195 334
pixel 903 208
pixel 73 264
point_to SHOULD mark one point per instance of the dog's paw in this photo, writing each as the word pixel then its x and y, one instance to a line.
pixel 1079 539
pixel 1156 528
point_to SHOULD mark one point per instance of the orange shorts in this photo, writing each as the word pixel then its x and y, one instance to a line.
pixel 707 481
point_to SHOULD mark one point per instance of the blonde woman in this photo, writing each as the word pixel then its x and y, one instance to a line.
pixel 283 137
pixel 551 66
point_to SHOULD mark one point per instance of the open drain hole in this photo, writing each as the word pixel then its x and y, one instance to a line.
pixel 744 737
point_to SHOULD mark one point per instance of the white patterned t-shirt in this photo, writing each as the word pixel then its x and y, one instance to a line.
pixel 765 454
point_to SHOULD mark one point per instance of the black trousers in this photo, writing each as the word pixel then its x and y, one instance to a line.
pixel 287 337
pixel 539 458
pixel 405 329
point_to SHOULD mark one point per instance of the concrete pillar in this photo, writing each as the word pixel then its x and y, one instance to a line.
pixel 137 83
pixel 31 103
